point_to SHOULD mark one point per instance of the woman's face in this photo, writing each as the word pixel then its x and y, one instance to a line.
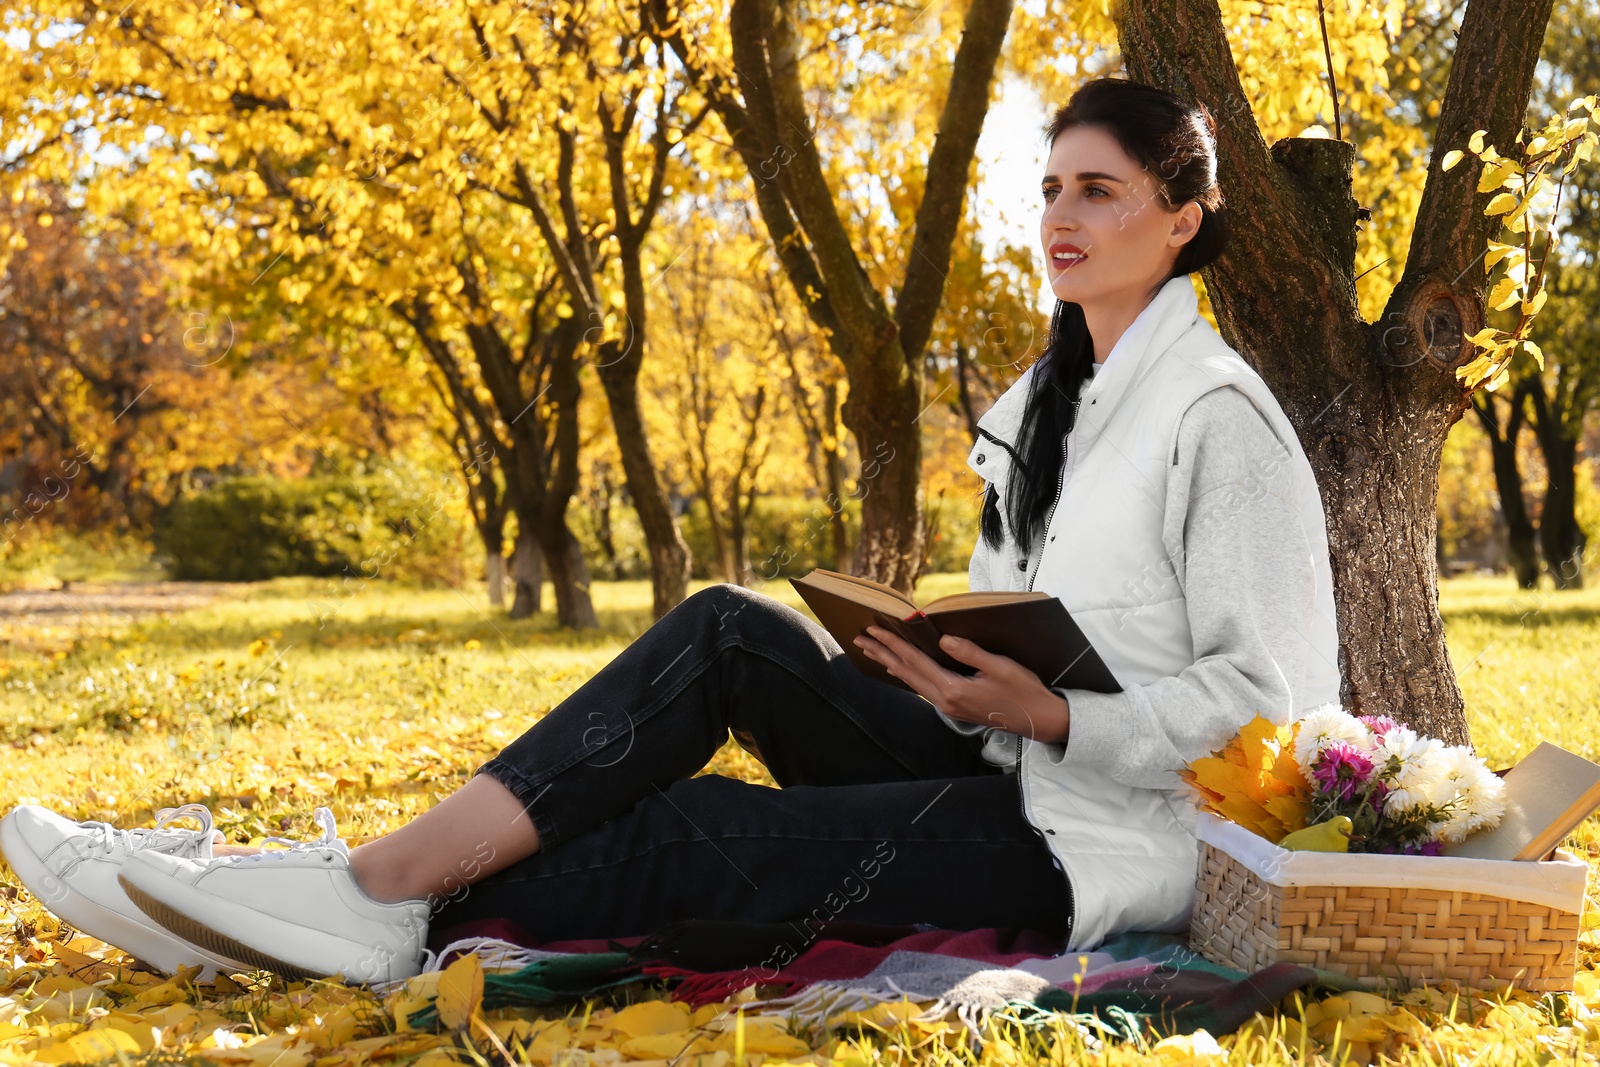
pixel 1106 231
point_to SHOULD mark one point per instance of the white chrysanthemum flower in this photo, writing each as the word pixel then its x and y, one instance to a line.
pixel 1482 802
pixel 1417 778
pixel 1401 800
pixel 1396 742
pixel 1324 726
pixel 1455 770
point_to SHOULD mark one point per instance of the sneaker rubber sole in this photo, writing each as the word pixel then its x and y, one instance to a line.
pixel 193 929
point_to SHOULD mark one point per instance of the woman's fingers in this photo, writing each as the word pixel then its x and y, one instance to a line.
pixel 907 662
pixel 996 696
pixel 971 653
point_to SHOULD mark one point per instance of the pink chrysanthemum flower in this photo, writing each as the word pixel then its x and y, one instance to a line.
pixel 1341 769
pixel 1378 724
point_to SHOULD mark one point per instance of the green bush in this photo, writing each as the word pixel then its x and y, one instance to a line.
pixel 392 521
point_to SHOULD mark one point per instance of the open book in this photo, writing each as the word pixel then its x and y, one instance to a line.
pixel 1547 795
pixel 1032 628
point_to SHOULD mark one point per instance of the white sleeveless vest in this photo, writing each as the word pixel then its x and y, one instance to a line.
pixel 1130 853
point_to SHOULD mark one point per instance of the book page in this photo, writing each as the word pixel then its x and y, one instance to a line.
pixel 874 595
pixel 980 598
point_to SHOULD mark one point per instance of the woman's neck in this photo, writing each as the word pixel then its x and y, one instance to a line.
pixel 1109 319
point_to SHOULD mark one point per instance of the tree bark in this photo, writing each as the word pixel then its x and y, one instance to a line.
pixel 1521 546
pixel 620 360
pixel 543 461
pixel 1372 402
pixel 602 525
pixel 527 572
pixel 495 571
pixel 1560 537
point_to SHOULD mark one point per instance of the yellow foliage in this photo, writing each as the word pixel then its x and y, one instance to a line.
pixel 460 991
pixel 1254 780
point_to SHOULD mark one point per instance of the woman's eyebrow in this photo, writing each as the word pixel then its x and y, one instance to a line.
pixel 1086 176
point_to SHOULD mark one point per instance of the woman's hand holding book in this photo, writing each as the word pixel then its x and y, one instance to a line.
pixel 1003 693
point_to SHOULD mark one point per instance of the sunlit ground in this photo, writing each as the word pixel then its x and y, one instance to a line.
pixel 275 698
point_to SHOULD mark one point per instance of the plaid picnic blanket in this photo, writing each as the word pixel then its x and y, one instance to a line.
pixel 1135 984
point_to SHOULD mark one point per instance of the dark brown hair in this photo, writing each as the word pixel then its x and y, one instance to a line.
pixel 1174 140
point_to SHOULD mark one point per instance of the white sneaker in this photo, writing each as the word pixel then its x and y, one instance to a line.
pixel 71 868
pixel 296 911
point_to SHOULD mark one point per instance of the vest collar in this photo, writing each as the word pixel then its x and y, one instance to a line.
pixel 1173 310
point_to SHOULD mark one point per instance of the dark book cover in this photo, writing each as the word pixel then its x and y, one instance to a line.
pixel 1033 628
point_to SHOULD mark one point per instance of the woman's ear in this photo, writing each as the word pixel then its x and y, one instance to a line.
pixel 1185 223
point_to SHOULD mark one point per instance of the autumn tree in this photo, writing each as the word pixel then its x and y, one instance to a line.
pixel 118 388
pixel 619 104
pixel 1562 394
pixel 872 282
pixel 427 165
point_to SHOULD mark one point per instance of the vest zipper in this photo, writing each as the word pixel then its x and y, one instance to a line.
pixel 1072 894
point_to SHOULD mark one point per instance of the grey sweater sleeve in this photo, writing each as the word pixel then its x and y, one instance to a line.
pixel 1245 567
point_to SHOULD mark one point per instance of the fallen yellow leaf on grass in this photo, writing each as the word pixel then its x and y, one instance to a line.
pixel 275 1050
pixel 460 992
pixel 92 1046
pixel 1198 1047
pixel 890 1014
pixel 138 1027
pixel 651 1017
pixel 666 1046
pixel 165 993
pixel 765 1036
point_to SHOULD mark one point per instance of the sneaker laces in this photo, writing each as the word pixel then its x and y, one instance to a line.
pixel 329 840
pixel 163 836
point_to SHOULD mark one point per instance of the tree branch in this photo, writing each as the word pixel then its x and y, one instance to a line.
pixel 945 191
pixel 1491 75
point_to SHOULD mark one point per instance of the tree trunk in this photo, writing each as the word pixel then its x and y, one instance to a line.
pixel 569 574
pixel 701 475
pixel 1521 550
pixel 1560 537
pixel 834 465
pixel 1371 402
pixel 602 525
pixel 495 572
pixel 527 572
pixel 669 552
pixel 889 482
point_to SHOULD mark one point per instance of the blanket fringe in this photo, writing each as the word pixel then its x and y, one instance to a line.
pixel 497 955
pixel 820 1001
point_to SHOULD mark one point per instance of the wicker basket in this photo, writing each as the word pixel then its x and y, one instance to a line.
pixel 1386 919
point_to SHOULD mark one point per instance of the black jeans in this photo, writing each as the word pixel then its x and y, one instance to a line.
pixel 885 815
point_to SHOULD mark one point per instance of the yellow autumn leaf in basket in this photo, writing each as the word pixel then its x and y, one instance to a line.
pixel 1254 780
